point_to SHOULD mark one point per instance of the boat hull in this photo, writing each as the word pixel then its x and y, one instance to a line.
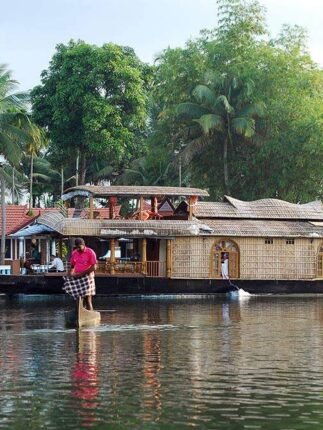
pixel 118 286
pixel 81 317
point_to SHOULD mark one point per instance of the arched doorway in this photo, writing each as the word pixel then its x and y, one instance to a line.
pixel 319 270
pixel 221 249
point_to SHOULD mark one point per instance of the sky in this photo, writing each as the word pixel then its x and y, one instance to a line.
pixel 30 30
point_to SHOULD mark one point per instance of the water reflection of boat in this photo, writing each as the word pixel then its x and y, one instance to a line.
pixel 84 377
pixel 81 317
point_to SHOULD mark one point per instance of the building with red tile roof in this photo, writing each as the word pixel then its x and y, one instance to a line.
pixel 17 217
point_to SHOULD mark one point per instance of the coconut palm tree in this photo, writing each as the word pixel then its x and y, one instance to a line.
pixel 14 130
pixel 223 110
pixel 45 179
pixel 34 143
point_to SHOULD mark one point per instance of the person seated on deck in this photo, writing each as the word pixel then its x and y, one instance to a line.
pixel 136 256
pixel 56 265
pixel 33 258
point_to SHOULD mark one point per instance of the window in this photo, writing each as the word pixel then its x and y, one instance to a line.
pixel 8 249
pixel 269 241
pixel 290 242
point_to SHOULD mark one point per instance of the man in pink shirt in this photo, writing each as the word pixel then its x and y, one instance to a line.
pixel 83 265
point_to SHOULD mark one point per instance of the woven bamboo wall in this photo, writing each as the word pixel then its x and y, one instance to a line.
pixel 258 260
pixel 279 260
pixel 191 257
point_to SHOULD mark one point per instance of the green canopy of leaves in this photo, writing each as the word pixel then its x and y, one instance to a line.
pixel 92 101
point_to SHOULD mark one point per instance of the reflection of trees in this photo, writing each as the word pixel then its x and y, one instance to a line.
pixel 84 376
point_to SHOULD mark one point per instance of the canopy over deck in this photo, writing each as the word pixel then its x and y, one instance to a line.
pixel 131 191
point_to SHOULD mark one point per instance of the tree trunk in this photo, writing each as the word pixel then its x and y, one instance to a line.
pixel 31 182
pixel 62 181
pixel 13 187
pixel 4 221
pixel 77 168
pixel 225 167
pixel 83 170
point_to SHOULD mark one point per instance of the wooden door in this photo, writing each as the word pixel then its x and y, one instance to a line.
pixel 221 249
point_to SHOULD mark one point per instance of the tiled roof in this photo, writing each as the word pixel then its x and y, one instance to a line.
pixel 17 218
pixel 259 209
pixel 262 228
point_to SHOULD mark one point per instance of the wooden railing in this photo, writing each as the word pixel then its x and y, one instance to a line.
pixel 118 267
pixel 156 269
pixel 150 268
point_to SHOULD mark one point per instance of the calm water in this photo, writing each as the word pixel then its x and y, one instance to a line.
pixel 184 363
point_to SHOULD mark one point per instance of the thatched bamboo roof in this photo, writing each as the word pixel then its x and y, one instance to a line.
pixel 132 191
pixel 262 228
pixel 126 228
pixel 259 209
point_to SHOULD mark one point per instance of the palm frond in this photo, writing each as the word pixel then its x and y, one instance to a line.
pixel 10 150
pixel 204 95
pixel 38 175
pixel 210 122
pixel 244 126
pixel 190 110
pixel 253 110
pixel 224 102
pixel 104 173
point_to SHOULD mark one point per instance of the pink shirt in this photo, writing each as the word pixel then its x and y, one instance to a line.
pixel 83 260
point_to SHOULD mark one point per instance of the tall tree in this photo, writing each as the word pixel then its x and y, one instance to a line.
pixel 224 110
pixel 14 123
pixel 92 101
pixel 286 146
pixel 32 147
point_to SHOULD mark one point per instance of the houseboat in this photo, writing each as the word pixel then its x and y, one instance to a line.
pixel 166 240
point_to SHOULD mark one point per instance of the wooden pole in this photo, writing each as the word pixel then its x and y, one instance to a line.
pixel 154 204
pixel 168 258
pixel 91 207
pixel 191 203
pixel 60 248
pixel 144 256
pixel 141 207
pixel 113 255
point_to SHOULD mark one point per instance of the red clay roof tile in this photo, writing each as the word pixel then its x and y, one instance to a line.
pixel 17 218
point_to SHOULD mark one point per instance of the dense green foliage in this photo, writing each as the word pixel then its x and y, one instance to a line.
pixel 235 111
pixel 92 101
pixel 278 150
pixel 18 134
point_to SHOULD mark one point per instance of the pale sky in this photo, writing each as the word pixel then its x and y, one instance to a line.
pixel 30 30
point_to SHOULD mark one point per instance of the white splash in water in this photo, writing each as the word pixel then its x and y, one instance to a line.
pixel 239 294
pixel 243 293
